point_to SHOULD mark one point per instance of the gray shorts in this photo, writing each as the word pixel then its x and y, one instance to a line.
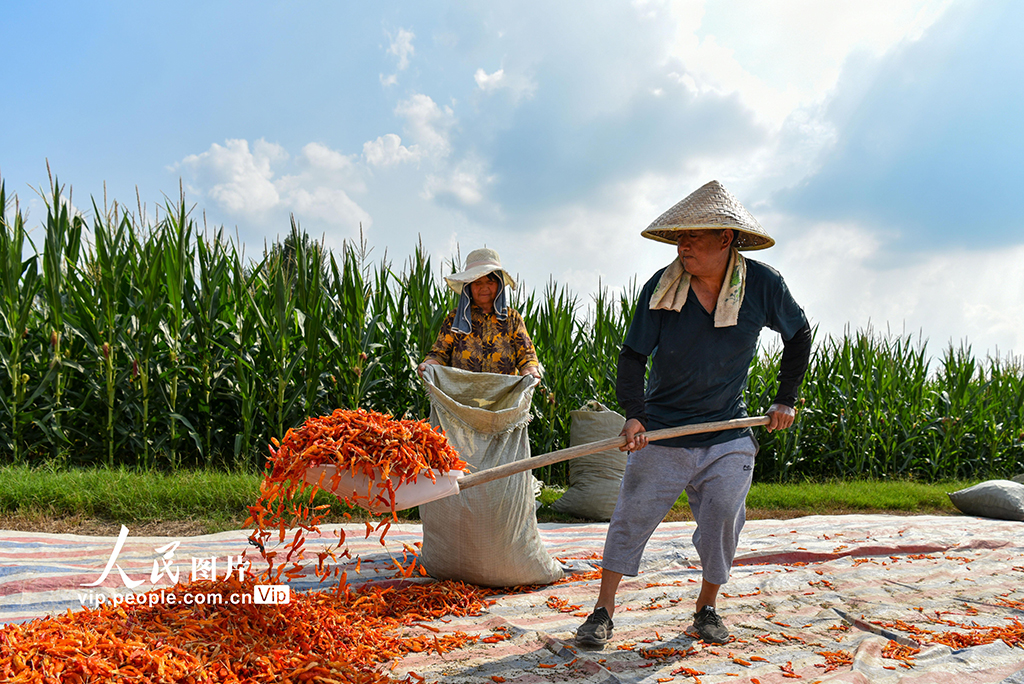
pixel 716 480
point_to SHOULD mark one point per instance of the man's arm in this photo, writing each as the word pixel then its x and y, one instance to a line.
pixel 796 353
pixel 629 390
pixel 629 384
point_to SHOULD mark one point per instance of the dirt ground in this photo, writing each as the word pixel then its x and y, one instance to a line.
pixel 82 525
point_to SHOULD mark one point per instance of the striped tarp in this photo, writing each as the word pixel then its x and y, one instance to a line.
pixel 943 574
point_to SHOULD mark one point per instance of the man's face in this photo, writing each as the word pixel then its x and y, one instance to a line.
pixel 484 290
pixel 704 252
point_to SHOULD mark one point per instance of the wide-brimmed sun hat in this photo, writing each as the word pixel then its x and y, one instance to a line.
pixel 710 207
pixel 479 263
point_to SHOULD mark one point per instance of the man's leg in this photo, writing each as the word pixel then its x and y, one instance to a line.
pixel 708 594
pixel 717 496
pixel 609 585
pixel 597 630
pixel 654 479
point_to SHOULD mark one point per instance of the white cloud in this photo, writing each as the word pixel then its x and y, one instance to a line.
pixel 517 84
pixel 428 124
pixel 329 206
pixel 782 55
pixel 320 156
pixel 252 184
pixel 584 245
pixel 401 46
pixel 236 178
pixel 620 131
pixel 846 277
pixel 465 183
pixel 388 150
pixel 489 82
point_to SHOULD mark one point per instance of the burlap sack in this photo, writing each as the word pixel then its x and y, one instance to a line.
pixel 593 480
pixel 486 535
pixel 1000 499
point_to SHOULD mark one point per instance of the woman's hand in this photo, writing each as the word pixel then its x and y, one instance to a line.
pixel 531 370
pixel 423 366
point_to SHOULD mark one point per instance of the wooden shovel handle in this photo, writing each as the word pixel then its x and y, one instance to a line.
pixel 501 471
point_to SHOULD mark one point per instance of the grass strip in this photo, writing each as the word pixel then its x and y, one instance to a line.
pixel 132 496
pixel 821 498
pixel 860 495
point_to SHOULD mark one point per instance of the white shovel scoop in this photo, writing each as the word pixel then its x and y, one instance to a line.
pixel 424 490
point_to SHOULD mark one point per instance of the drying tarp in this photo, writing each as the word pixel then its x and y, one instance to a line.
pixel 788 577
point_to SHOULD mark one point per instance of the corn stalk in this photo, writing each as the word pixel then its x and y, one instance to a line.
pixel 177 259
pixel 146 325
pixel 153 333
pixel 208 302
pixel 100 297
pixel 19 283
pixel 60 255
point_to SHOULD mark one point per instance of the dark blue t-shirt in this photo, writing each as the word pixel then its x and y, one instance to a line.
pixel 698 372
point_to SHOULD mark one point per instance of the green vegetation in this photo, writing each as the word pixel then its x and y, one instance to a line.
pixel 788 500
pixel 876 407
pixel 154 345
pixel 856 495
pixel 121 495
pixel 220 500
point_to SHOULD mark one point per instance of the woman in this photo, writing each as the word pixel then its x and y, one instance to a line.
pixel 483 334
pixel 486 535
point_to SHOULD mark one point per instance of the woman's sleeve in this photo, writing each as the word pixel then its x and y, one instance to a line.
pixel 526 354
pixel 442 349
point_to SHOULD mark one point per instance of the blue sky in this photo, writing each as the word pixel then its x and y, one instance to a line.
pixel 878 142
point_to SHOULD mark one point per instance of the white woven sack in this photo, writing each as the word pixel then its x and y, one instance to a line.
pixel 486 535
pixel 593 480
pixel 1001 499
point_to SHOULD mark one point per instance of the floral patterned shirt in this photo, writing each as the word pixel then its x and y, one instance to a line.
pixel 493 345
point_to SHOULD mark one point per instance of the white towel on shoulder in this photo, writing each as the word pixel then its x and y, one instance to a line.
pixel 674 285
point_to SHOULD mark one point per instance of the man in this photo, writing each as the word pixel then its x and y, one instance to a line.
pixel 700 318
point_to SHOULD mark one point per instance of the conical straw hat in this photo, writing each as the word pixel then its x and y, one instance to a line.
pixel 710 207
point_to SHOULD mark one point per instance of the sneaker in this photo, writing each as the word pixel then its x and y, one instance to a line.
pixel 709 626
pixel 597 630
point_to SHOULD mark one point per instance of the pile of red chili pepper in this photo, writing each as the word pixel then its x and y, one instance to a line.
pixel 319 637
pixel 973 634
pixel 362 441
pixel 325 637
pixel 386 451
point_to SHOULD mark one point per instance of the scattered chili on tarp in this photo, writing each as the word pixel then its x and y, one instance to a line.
pixel 332 636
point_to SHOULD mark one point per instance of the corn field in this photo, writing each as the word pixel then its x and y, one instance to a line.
pixel 156 344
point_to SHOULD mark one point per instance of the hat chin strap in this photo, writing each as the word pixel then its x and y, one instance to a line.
pixel 463 321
